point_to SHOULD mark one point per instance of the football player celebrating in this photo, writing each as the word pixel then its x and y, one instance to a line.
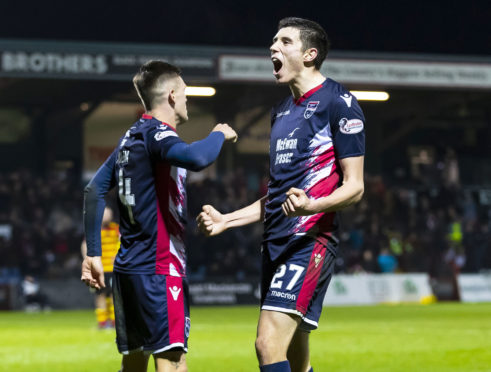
pixel 317 150
pixel 151 297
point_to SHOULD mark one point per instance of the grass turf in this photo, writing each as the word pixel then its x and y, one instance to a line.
pixel 439 337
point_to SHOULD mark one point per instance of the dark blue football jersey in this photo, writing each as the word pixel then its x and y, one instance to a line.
pixel 308 137
pixel 152 201
pixel 148 168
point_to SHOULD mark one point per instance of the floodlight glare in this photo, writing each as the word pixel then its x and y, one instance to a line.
pixel 362 95
pixel 200 91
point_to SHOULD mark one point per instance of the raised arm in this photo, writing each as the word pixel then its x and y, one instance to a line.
pixel 350 192
pixel 194 156
pixel 211 222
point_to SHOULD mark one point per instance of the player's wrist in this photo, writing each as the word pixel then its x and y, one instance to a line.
pixel 314 206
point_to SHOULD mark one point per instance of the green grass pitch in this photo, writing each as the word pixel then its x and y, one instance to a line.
pixel 439 337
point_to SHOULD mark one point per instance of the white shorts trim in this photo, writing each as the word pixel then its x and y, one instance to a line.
pixel 168 347
pixel 282 310
pixel 312 322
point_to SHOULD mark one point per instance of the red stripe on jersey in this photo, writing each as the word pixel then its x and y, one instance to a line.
pixel 312 275
pixel 145 116
pixel 326 186
pixel 175 309
pixel 167 225
pixel 307 95
pixel 323 159
pixel 175 228
pixel 322 222
pixel 163 254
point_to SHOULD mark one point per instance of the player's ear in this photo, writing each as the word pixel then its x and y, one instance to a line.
pixel 172 97
pixel 310 54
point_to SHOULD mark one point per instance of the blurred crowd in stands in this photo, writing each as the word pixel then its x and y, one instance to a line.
pixel 40 224
pixel 437 227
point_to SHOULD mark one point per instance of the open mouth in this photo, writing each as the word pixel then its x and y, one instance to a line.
pixel 277 64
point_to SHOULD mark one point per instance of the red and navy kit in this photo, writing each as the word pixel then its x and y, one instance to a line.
pixel 149 167
pixel 308 137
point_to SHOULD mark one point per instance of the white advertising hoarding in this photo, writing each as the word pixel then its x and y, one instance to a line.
pixel 474 287
pixel 370 289
pixel 386 73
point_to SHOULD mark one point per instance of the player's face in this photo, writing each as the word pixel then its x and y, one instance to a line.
pixel 287 55
pixel 180 101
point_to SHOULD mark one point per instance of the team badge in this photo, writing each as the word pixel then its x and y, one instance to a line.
pixel 350 126
pixel 317 259
pixel 311 107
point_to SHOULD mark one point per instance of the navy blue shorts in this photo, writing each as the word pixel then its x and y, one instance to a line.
pixel 296 282
pixel 152 313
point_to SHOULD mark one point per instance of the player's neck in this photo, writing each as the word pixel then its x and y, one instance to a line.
pixel 306 81
pixel 164 115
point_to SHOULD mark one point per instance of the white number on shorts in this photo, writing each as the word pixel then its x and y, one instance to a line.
pixel 298 271
pixel 275 283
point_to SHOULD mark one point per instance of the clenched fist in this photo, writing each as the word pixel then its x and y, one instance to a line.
pixel 230 134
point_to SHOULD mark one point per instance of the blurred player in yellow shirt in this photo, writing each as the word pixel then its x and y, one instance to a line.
pixel 104 307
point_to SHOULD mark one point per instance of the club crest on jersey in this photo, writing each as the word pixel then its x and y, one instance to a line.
pixel 350 126
pixel 317 259
pixel 311 107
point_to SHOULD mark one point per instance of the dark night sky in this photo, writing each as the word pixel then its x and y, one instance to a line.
pixel 448 27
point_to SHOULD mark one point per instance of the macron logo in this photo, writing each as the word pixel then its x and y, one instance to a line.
pixel 347 98
pixel 175 292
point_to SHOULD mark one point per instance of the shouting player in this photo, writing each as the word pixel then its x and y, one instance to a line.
pixel 317 149
pixel 149 169
pixel 104 305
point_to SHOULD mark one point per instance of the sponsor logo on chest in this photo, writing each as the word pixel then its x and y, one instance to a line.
pixel 286 144
pixel 283 144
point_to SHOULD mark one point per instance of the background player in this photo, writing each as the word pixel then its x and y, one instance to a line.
pixel 104 305
pixel 149 168
pixel 317 141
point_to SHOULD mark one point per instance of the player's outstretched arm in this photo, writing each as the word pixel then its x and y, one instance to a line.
pixel 298 203
pixel 197 155
pixel 211 222
pixel 93 272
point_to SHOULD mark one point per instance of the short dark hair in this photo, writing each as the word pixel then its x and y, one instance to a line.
pixel 312 35
pixel 151 74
